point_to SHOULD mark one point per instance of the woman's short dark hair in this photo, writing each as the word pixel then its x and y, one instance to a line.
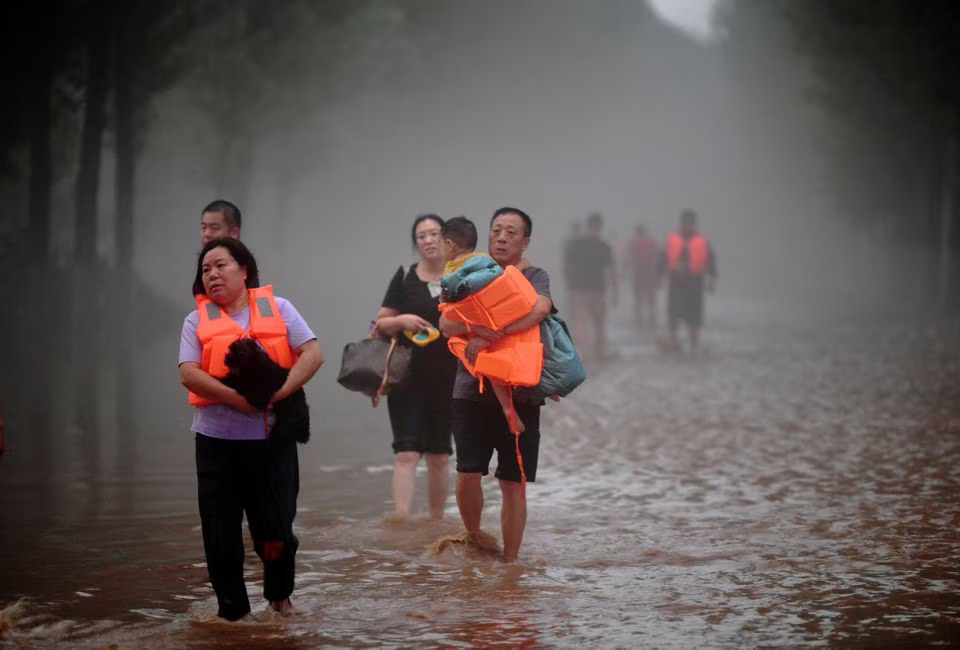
pixel 527 221
pixel 238 251
pixel 420 219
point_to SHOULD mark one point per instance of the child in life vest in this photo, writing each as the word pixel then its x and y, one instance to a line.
pixel 466 272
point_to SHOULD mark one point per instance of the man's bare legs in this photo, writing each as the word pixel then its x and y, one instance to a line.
pixel 694 337
pixel 513 518
pixel 438 482
pixel 651 301
pixel 598 318
pixel 470 500
pixel 404 471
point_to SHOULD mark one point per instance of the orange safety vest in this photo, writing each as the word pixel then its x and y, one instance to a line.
pixel 504 300
pixel 216 331
pixel 516 359
pixel 698 250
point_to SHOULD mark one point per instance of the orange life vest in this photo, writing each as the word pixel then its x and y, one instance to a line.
pixel 516 359
pixel 698 250
pixel 216 331
pixel 504 300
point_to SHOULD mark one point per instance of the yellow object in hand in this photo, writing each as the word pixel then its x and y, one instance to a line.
pixel 424 336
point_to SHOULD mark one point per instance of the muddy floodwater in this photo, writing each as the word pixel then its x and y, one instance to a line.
pixel 797 484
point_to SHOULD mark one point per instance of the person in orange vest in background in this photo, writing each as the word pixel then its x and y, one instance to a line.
pixel 641 263
pixel 689 262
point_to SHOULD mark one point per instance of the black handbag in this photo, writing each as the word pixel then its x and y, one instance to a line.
pixel 375 366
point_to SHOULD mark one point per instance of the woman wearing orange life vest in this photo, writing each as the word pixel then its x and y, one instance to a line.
pixel 690 264
pixel 237 470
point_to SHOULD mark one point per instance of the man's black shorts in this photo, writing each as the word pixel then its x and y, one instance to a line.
pixel 685 300
pixel 479 427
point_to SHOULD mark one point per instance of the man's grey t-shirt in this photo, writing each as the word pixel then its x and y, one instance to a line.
pixel 587 261
pixel 466 386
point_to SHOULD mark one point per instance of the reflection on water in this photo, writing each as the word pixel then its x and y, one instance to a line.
pixel 794 485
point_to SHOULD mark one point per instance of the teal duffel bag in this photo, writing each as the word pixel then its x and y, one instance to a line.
pixel 562 368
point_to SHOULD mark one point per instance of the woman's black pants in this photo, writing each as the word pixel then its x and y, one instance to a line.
pixel 262 479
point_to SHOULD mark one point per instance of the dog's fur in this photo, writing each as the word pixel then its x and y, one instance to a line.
pixel 257 377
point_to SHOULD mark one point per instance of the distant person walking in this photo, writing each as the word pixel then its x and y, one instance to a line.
pixel 689 262
pixel 420 414
pixel 590 270
pixel 219 219
pixel 576 232
pixel 641 265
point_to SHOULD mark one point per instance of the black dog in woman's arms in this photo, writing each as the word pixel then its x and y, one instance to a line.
pixel 257 377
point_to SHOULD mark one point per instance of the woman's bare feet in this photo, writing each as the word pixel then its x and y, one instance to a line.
pixel 282 606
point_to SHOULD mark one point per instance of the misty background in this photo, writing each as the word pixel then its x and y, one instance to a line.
pixel 817 141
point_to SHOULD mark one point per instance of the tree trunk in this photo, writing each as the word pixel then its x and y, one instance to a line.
pixel 41 164
pixel 86 294
pixel 124 140
pixel 947 206
pixel 88 176
pixel 39 181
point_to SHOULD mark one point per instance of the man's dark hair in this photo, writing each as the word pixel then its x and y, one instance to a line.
pixel 238 251
pixel 688 213
pixel 462 231
pixel 595 221
pixel 420 219
pixel 527 221
pixel 230 212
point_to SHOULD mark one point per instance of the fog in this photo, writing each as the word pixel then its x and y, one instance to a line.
pixel 582 107
pixel 334 130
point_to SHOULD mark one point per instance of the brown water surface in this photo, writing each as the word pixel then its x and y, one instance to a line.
pixel 794 485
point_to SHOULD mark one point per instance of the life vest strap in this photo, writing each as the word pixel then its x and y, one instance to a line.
pixel 386 373
pixel 512 418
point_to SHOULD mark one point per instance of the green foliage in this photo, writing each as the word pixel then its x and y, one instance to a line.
pixel 884 75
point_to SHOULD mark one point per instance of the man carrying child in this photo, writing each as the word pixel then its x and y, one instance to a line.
pixel 479 421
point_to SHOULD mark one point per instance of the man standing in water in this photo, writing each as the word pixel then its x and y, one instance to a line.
pixel 689 261
pixel 219 219
pixel 641 262
pixel 478 422
pixel 591 269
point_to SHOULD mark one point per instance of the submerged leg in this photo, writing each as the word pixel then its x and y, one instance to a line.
pixel 438 483
pixel 404 473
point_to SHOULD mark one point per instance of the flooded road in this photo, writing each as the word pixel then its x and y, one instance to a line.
pixel 794 485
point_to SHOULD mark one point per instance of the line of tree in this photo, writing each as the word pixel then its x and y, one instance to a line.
pixel 884 74
pixel 83 77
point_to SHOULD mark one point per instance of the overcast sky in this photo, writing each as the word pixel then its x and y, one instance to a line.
pixel 691 15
